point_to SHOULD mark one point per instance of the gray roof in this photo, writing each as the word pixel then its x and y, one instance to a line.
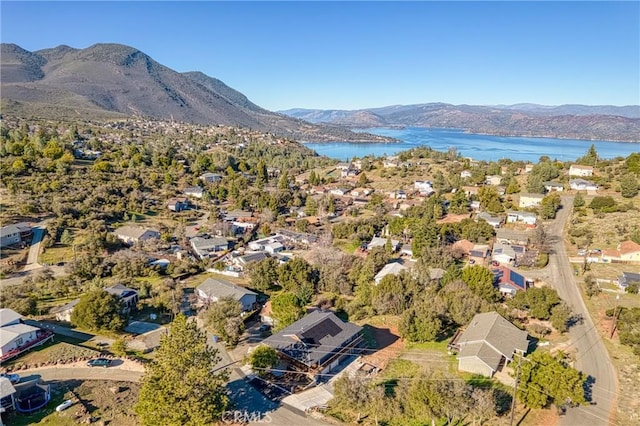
pixel 221 288
pixel 6 388
pixel 484 352
pixel 520 213
pixel 8 230
pixel 393 268
pixel 200 243
pixel 503 249
pixel 488 218
pixel 628 277
pixel 121 291
pixel 510 234
pixel 133 231
pixel 252 257
pixel 554 184
pixel 66 307
pixel 7 316
pixel 313 338
pixel 497 333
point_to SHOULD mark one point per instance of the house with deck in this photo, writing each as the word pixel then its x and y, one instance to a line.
pixel 14 234
pixel 318 343
pixel 16 336
pixel 626 252
pixel 214 289
pixel 204 248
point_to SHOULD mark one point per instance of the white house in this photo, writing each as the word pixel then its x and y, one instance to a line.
pixel 579 170
pixel 210 177
pixel 582 185
pixel 381 242
pixel 553 187
pixel 193 191
pixel 503 253
pixel 424 186
pixel 393 268
pixel 494 221
pixel 526 217
pixel 214 289
pixel 204 247
pixel 16 337
pixel 465 174
pixel 14 234
pixel 131 234
pixel 493 180
pixel 530 200
pixel 339 191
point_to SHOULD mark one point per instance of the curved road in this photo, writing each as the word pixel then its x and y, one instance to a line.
pixel 592 357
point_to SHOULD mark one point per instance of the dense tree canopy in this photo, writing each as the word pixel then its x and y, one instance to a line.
pixel 182 385
pixel 98 310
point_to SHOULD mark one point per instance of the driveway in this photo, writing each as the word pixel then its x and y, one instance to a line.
pixel 592 357
pixel 34 250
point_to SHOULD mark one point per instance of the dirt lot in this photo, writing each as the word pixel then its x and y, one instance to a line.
pixel 104 402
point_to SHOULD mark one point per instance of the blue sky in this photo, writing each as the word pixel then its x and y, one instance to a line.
pixel 349 55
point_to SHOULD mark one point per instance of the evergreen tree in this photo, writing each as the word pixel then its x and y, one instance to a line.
pixel 590 158
pixel 262 176
pixel 181 385
pixel 283 183
pixel 578 201
pixel 628 186
pixel 98 310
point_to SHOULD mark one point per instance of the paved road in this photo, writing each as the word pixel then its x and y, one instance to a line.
pixel 592 357
pixel 34 250
pixel 81 372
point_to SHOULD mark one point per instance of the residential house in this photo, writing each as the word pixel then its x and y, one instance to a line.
pixel 128 297
pixel 133 234
pixel 16 336
pixel 465 174
pixel 213 289
pixel 63 313
pixel 14 234
pixel 530 200
pixel 350 172
pixel 503 253
pixel 298 237
pixel 339 191
pixel 390 162
pixel 272 244
pixel 243 261
pixel 381 242
pixel 509 282
pixel 479 252
pixel 237 215
pixel 463 246
pixel 528 168
pixel 628 278
pixel 361 192
pixel 398 194
pixel 343 166
pixel 475 205
pixel 7 392
pixel 392 268
pixel 193 191
pixel 317 343
pixel 494 221
pixel 527 218
pixel 626 252
pixel 493 180
pixel 205 247
pixel 580 170
pixel 424 187
pixel 470 190
pixel 210 177
pixel 487 343
pixel 582 185
pixel 178 204
pixel 510 236
pixel 406 250
pixel 553 187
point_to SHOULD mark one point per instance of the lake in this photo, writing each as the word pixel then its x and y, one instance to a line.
pixel 478 147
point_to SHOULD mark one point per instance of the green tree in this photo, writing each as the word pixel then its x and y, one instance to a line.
pixel 313 178
pixel 490 200
pixel 262 358
pixel 459 202
pixel 286 308
pixel 224 318
pixel 590 158
pixel 66 238
pixel 560 315
pixel 283 183
pixel 263 274
pixel 363 180
pixel 298 277
pixel 550 205
pixel 602 203
pixel 632 162
pixel 262 176
pixel 480 281
pixel 181 385
pixel 513 187
pixel 578 201
pixel 119 347
pixel 628 186
pixel 546 379
pixel 98 310
pixel 420 324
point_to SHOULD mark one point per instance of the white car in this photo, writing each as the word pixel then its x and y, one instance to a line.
pixel 68 403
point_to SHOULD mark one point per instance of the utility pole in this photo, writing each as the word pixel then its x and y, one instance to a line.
pixel 615 317
pixel 515 389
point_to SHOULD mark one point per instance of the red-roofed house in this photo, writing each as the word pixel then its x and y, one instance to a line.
pixel 509 281
pixel 627 251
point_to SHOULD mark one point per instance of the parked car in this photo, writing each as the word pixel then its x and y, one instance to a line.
pixel 68 403
pixel 99 362
pixel 13 378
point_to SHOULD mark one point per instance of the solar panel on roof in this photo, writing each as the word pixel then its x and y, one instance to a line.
pixel 321 330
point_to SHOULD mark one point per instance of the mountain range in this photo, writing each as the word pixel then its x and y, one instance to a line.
pixel 614 123
pixel 114 81
pixel 107 81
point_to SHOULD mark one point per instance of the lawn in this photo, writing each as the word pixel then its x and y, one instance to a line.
pixel 62 349
pixel 55 254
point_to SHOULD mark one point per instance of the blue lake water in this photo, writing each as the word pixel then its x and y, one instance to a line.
pixel 478 147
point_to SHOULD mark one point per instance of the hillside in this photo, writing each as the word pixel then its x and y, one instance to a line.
pixel 112 80
pixel 528 120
